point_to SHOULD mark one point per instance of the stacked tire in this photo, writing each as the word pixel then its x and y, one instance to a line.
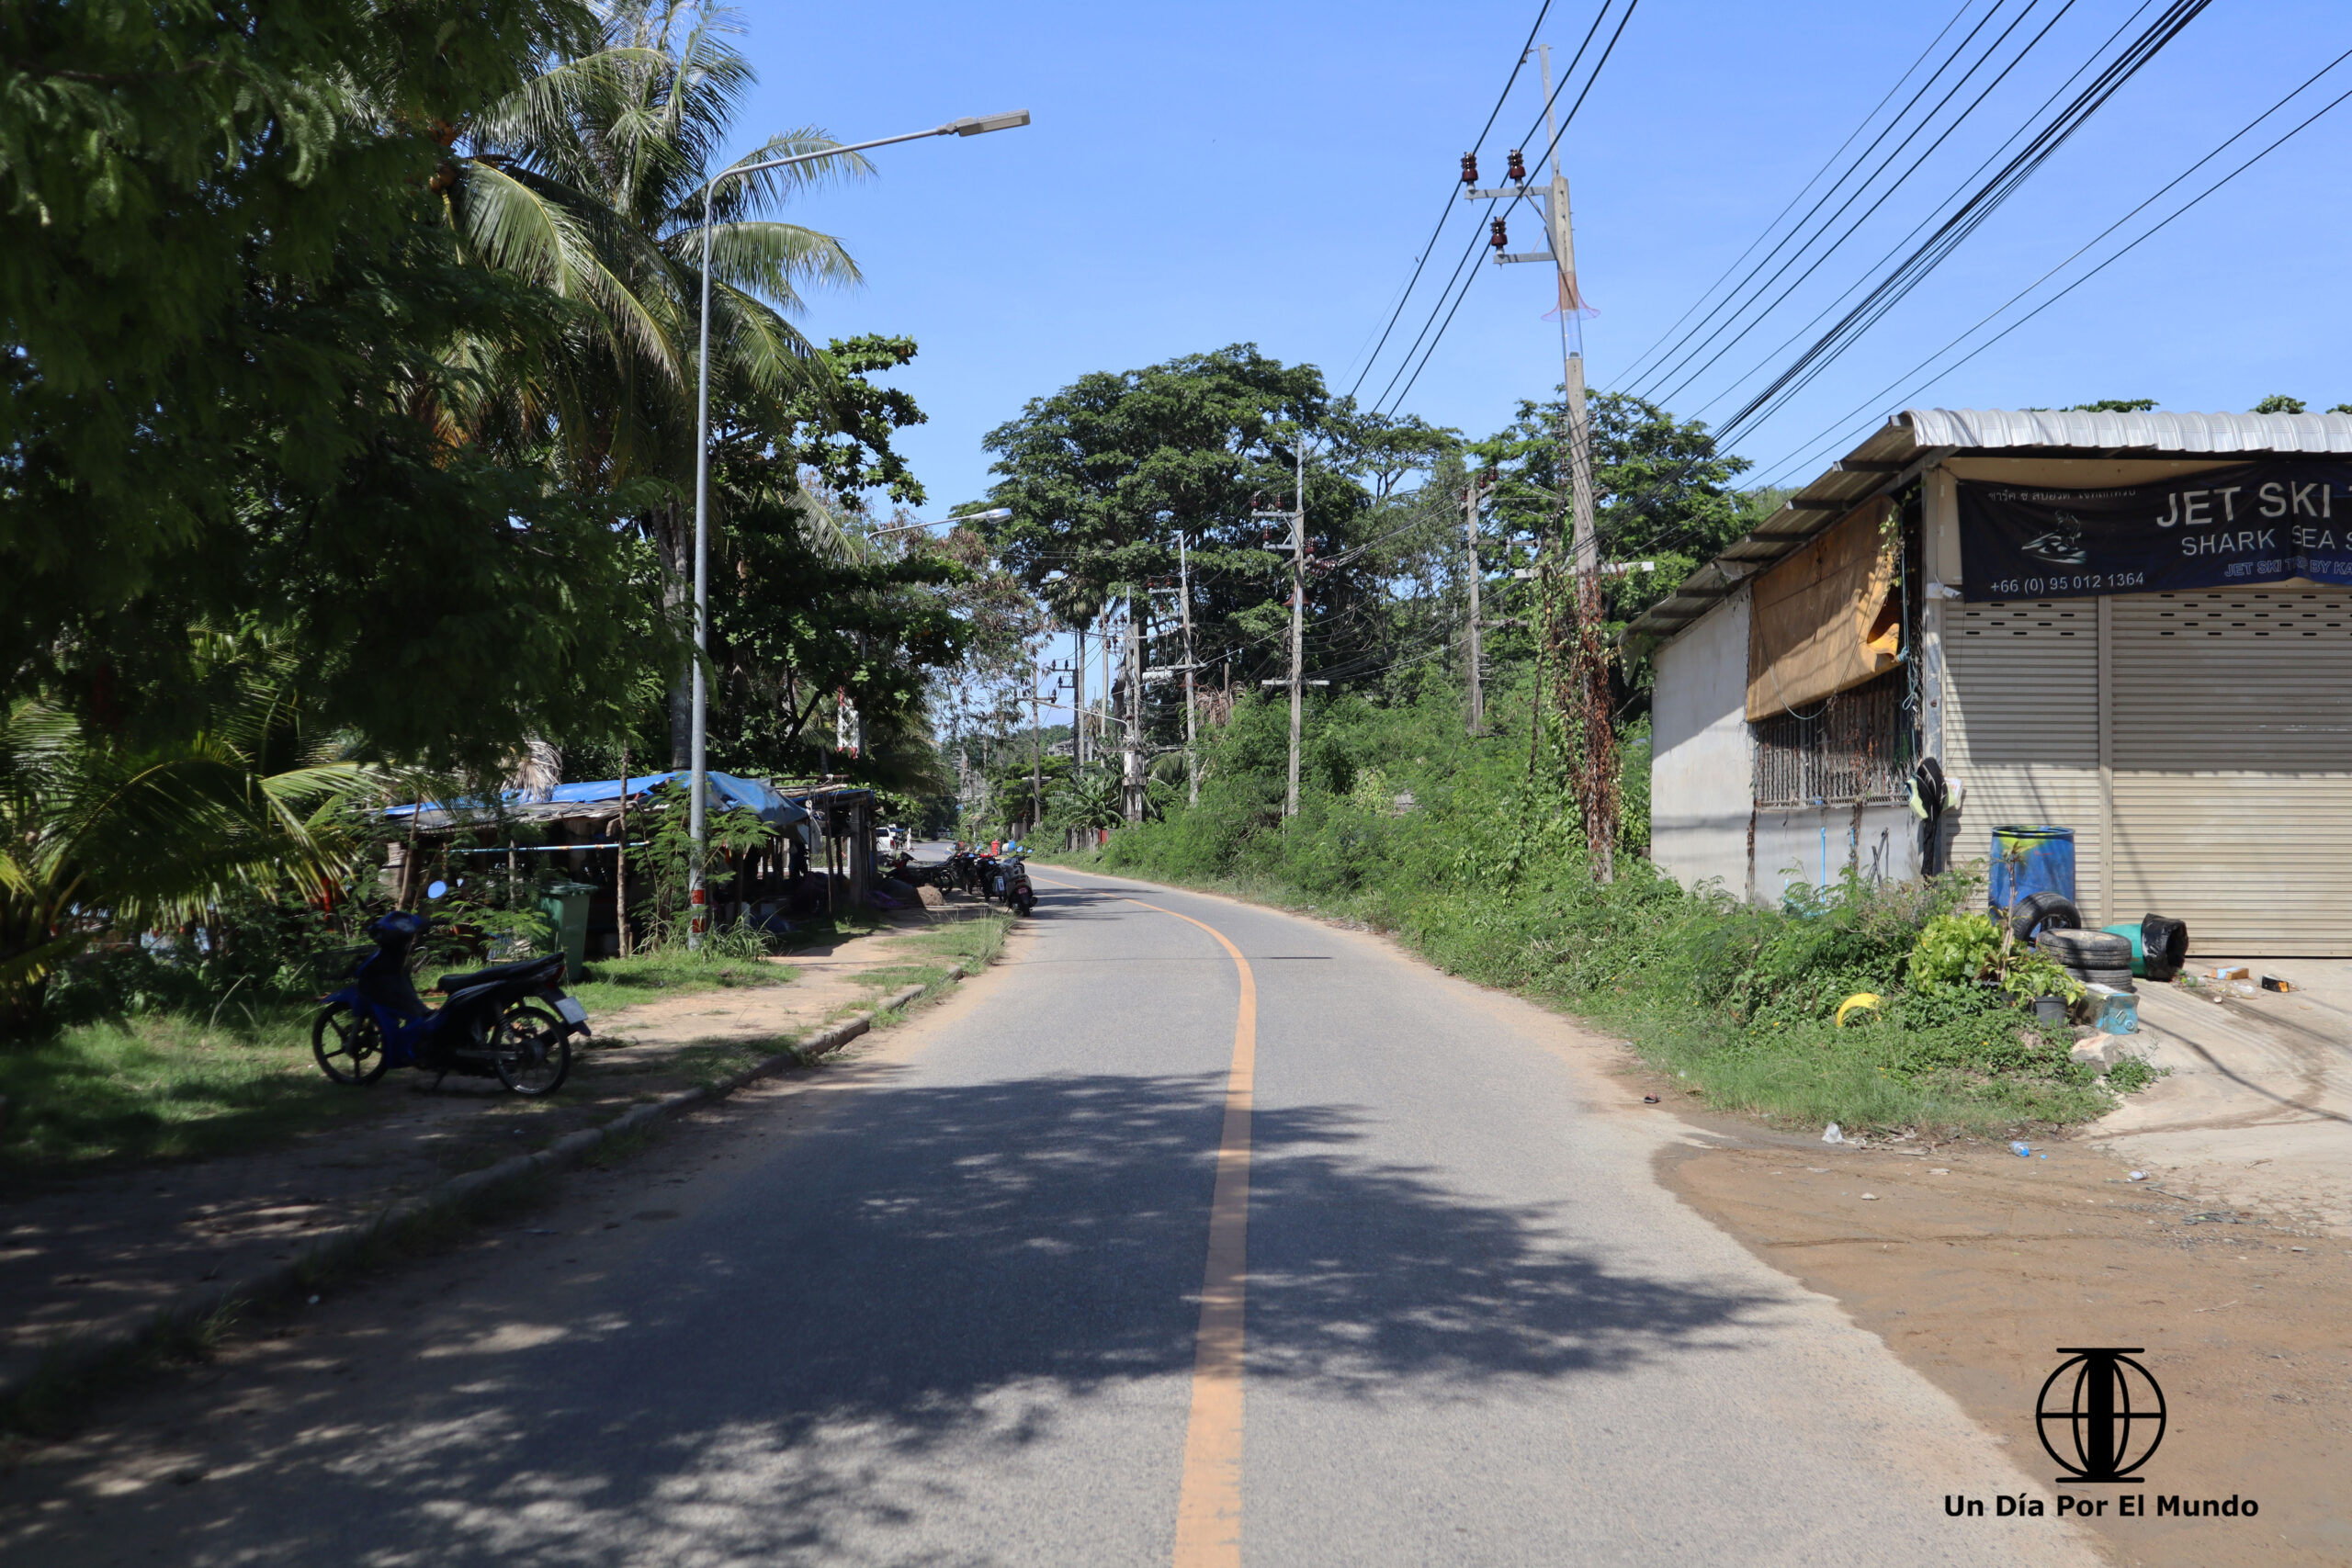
pixel 2095 958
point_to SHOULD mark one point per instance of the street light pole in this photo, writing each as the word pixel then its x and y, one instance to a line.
pixel 697 899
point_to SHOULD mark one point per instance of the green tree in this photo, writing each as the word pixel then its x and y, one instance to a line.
pixel 589 181
pixel 230 306
pixel 94 831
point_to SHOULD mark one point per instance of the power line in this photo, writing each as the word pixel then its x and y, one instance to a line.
pixel 1915 267
pixel 1566 77
pixel 1639 360
pixel 1743 306
pixel 1893 250
pixel 1843 421
pixel 1431 244
pixel 1737 302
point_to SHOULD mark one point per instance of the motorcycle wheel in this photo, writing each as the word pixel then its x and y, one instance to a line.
pixel 347 1044
pixel 1028 901
pixel 531 1050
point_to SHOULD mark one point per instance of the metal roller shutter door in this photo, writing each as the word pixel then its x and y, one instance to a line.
pixel 2021 726
pixel 2232 745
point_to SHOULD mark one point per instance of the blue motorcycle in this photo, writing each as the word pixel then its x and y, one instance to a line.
pixel 511 1021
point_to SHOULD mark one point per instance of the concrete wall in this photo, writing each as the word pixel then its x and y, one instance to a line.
pixel 1703 824
pixel 1814 845
pixel 1703 768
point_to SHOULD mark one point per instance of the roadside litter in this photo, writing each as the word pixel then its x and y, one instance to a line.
pixel 2021 1151
pixel 1830 1134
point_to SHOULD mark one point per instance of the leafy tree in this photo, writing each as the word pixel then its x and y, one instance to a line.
pixel 229 306
pixel 2115 405
pixel 94 830
pixel 2278 403
pixel 1661 492
pixel 589 181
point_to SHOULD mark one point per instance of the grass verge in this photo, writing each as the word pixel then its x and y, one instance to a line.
pixel 165 1086
pixel 611 984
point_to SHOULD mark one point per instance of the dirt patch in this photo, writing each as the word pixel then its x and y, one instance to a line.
pixel 1974 1266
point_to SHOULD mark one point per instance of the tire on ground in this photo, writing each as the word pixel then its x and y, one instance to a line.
pixel 2038 912
pixel 2086 950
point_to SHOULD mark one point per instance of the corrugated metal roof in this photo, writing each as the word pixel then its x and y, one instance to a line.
pixel 2155 432
pixel 1911 441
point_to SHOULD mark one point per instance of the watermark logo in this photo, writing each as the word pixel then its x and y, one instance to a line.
pixel 2101 1415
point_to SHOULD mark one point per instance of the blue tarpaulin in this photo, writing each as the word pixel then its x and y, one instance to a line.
pixel 727 792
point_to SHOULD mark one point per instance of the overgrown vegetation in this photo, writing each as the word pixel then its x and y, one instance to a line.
pixel 1474 856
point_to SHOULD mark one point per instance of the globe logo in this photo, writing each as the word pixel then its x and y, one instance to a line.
pixel 2101 1415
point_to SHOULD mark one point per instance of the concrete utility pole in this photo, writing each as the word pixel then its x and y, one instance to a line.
pixel 1298 624
pixel 1184 604
pixel 1588 672
pixel 1078 705
pixel 1131 753
pixel 1103 719
pixel 1471 495
pixel 1036 753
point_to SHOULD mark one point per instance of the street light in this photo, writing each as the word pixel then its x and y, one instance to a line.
pixel 697 901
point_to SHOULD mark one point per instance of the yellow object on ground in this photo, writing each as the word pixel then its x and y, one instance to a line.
pixel 1860 1002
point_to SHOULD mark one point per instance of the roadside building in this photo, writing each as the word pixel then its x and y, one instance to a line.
pixel 2134 625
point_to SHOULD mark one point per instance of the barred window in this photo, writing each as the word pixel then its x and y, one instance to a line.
pixel 1853 746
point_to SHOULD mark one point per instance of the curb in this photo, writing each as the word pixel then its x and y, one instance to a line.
pixel 75 1357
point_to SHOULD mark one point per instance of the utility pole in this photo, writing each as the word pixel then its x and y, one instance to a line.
pixel 1471 495
pixel 1036 754
pixel 1587 673
pixel 1103 646
pixel 1131 752
pixel 1077 704
pixel 1297 623
pixel 1184 604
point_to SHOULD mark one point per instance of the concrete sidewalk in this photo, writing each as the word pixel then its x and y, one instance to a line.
pixel 2256 1112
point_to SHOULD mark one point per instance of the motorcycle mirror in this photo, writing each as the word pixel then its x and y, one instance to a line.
pixel 437 890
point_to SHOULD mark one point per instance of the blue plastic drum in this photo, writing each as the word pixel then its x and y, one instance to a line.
pixel 2032 860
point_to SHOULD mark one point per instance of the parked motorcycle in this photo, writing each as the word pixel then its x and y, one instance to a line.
pixel 510 1020
pixel 1009 880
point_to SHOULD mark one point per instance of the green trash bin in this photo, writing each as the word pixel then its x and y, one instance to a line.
pixel 566 906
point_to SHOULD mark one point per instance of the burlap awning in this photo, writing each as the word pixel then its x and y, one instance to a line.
pixel 1828 619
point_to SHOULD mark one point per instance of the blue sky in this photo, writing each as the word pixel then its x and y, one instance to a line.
pixel 1206 174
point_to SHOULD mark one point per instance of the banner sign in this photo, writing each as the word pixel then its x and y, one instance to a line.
pixel 2224 528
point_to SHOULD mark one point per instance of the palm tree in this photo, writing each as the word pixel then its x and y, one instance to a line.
pixel 589 182
pixel 97 835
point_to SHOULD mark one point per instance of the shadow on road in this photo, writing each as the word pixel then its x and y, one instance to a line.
pixel 931 1278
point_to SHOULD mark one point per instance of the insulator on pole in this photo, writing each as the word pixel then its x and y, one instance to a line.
pixel 1500 238
pixel 1518 167
pixel 1469 168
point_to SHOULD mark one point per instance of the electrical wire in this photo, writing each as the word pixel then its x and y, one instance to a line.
pixel 1914 268
pixel 1803 235
pixel 1872 269
pixel 1634 367
pixel 1652 389
pixel 1844 421
pixel 1566 77
pixel 1431 244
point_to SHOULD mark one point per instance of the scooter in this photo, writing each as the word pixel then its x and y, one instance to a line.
pixel 1010 881
pixel 511 1021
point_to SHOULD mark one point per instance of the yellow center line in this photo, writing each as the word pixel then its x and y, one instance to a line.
pixel 1208 1499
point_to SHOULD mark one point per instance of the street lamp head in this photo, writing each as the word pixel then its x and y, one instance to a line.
pixel 993 514
pixel 981 124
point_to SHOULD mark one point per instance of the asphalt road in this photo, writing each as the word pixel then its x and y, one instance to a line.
pixel 944 1305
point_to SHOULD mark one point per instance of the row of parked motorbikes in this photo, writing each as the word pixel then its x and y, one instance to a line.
pixel 999 879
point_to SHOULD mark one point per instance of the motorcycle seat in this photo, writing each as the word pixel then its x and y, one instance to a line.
pixel 496 973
